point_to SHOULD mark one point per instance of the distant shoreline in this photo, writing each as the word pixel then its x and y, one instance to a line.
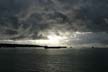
pixel 18 45
pixel 3 45
pixel 27 45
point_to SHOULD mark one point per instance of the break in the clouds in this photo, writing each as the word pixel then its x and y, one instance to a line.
pixel 35 19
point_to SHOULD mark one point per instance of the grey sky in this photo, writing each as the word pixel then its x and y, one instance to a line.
pixel 34 19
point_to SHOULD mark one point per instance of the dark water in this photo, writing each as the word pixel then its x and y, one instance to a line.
pixel 53 60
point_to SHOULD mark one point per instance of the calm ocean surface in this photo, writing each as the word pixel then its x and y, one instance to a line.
pixel 53 60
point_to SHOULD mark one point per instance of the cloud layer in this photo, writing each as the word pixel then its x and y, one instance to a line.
pixel 34 19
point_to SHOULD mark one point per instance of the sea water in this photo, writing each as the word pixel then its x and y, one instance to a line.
pixel 53 60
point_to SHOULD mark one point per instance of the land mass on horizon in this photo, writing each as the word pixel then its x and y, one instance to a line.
pixel 29 45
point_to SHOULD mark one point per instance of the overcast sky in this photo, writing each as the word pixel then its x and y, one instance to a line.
pixel 35 19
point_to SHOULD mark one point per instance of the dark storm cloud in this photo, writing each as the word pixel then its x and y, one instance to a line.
pixel 90 38
pixel 28 19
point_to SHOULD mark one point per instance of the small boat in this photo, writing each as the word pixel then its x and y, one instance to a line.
pixel 54 47
pixel 92 47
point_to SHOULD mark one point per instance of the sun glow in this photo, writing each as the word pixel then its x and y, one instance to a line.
pixel 52 40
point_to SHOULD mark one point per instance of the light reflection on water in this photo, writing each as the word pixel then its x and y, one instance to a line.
pixel 53 60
